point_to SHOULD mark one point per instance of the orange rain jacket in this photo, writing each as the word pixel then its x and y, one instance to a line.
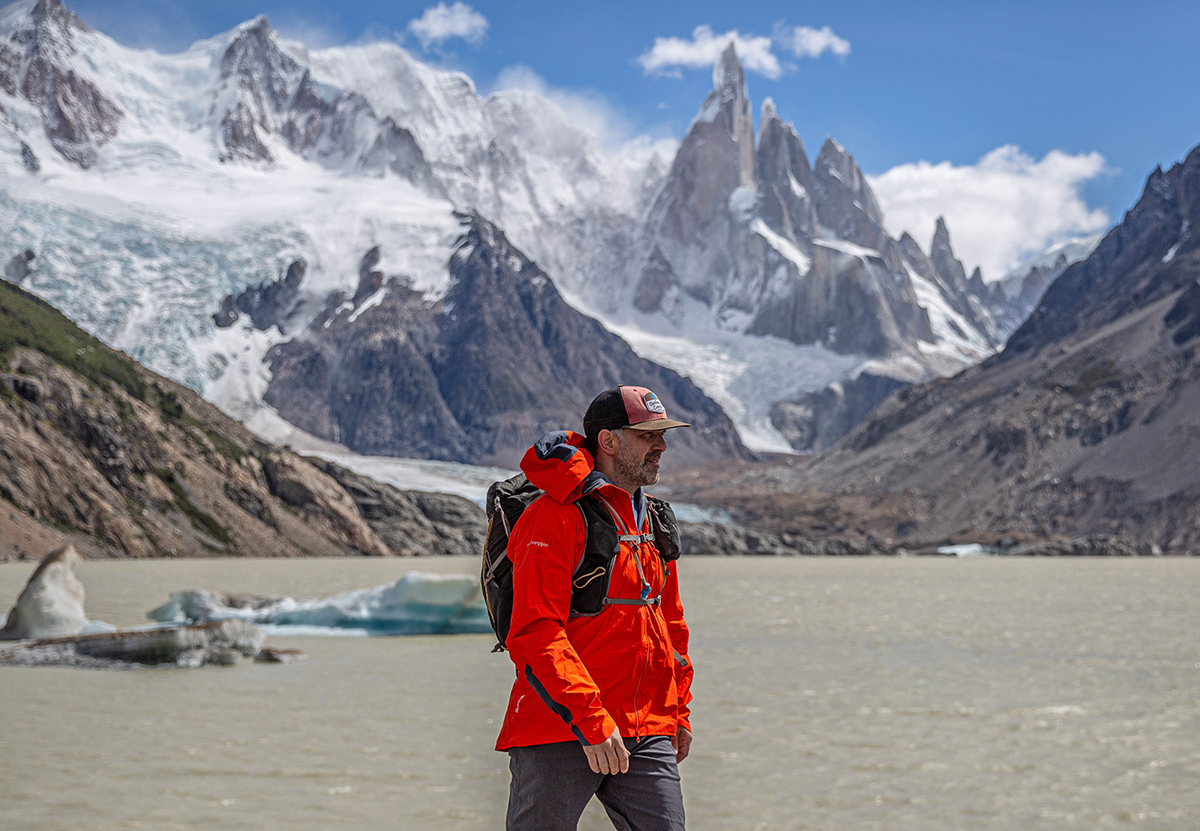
pixel 578 678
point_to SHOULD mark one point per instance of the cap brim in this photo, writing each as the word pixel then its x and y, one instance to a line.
pixel 655 424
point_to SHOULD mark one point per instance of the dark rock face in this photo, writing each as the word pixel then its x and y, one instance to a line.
pixel 780 161
pixel 848 205
pixel 691 222
pixel 18 267
pixel 712 539
pixel 268 304
pixel 1082 432
pixel 29 159
pixel 412 523
pixel 35 61
pixel 264 77
pixel 395 149
pixel 475 376
pixel 819 419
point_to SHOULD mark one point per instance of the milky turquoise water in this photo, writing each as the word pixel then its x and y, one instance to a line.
pixel 830 694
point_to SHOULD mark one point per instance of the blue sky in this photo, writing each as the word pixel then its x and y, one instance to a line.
pixel 1022 122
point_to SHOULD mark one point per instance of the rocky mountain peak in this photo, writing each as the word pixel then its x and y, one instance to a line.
pixel 476 375
pixel 255 55
pixel 949 268
pixel 784 177
pixel 52 15
pixel 729 93
pixel 845 187
pixel 728 78
pixel 768 111
pixel 690 222
pixel 36 62
pixel 258 80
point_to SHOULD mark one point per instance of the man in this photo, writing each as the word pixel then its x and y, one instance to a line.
pixel 600 703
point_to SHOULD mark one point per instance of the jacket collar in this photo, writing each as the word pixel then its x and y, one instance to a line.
pixel 558 464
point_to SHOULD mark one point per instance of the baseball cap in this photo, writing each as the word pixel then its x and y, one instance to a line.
pixel 635 408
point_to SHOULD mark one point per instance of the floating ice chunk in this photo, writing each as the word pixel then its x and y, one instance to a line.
pixel 971 549
pixel 416 604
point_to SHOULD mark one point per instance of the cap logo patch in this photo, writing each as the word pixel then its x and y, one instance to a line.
pixel 653 404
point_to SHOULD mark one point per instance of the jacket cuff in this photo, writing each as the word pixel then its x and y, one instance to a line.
pixel 597 729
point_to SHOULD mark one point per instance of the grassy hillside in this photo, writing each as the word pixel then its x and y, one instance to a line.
pixel 28 321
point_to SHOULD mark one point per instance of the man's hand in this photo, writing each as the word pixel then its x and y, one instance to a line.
pixel 610 756
pixel 682 742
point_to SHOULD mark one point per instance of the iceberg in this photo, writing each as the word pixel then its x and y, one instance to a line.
pixel 416 604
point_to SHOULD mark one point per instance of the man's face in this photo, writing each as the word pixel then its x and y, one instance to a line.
pixel 638 456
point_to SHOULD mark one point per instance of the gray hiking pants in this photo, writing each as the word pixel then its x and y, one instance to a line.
pixel 552 783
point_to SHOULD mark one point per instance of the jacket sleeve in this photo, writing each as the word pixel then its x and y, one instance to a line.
pixel 677 630
pixel 545 548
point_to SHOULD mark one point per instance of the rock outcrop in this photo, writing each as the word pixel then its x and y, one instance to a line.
pixel 267 304
pixel 413 523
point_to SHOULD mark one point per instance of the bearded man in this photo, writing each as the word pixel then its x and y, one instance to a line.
pixel 600 705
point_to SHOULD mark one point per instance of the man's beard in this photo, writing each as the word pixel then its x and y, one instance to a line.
pixel 637 471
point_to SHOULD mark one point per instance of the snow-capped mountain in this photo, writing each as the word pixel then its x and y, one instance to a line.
pixel 1082 430
pixel 142 193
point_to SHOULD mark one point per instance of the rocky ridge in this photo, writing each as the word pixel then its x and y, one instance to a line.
pixel 473 376
pixel 99 452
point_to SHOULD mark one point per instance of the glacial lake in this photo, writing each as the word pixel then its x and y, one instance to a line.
pixel 842 694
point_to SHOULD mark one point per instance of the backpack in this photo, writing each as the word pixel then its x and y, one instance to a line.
pixel 508 499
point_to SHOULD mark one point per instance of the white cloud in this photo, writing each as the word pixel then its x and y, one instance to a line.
pixel 586 110
pixel 1000 211
pixel 442 22
pixel 592 113
pixel 756 52
pixel 805 42
pixel 701 52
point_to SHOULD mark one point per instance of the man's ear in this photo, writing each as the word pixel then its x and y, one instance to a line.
pixel 608 441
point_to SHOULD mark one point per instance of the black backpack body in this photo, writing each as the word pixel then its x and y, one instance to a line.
pixel 508 499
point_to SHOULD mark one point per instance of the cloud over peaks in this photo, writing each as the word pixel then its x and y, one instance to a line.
pixel 1001 210
pixel 670 55
pixel 442 22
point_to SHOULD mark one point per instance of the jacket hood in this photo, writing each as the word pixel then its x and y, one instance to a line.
pixel 558 464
